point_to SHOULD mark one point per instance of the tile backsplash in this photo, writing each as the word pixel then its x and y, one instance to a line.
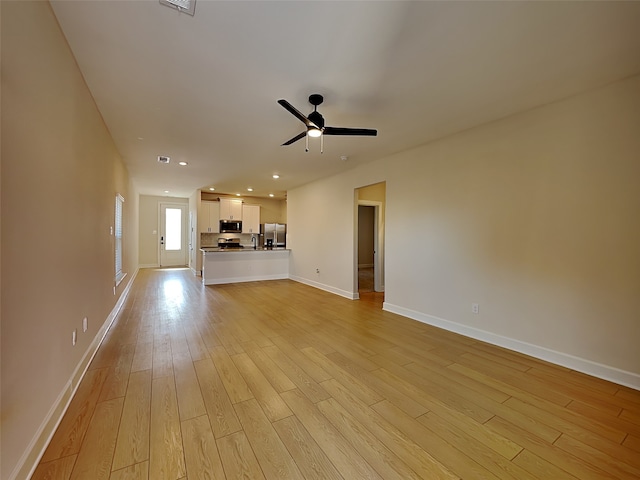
pixel 211 239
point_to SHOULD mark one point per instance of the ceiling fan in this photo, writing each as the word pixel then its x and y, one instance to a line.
pixel 315 124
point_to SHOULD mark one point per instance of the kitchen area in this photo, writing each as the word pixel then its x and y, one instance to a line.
pixel 241 239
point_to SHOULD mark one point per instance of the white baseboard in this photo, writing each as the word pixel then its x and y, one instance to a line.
pixel 148 265
pixel 605 372
pixel 31 457
pixel 326 288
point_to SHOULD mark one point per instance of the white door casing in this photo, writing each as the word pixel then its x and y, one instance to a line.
pixel 378 245
pixel 174 240
pixel 192 242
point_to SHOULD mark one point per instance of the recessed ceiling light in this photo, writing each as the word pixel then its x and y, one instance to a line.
pixel 237 194
pixel 271 194
pixel 276 176
pixel 182 163
pixel 211 188
pixel 140 138
pixel 166 191
pixel 249 189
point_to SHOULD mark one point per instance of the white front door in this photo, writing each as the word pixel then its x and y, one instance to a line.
pixel 173 235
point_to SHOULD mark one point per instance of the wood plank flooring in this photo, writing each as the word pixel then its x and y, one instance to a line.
pixel 278 380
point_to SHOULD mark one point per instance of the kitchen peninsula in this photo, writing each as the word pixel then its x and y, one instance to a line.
pixel 239 224
pixel 221 265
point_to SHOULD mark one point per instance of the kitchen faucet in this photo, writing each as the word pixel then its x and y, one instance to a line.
pixel 254 241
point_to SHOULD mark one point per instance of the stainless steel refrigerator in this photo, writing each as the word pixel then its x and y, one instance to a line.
pixel 274 235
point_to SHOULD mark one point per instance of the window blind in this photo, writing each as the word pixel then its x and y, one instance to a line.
pixel 118 238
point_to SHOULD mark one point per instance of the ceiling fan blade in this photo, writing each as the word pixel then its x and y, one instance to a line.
pixel 296 113
pixel 367 132
pixel 294 139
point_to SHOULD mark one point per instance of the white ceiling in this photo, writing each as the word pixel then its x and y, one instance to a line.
pixel 203 89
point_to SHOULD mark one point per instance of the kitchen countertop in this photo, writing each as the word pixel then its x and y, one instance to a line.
pixel 245 249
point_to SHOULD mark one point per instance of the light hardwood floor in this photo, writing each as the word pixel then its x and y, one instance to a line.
pixel 279 380
pixel 365 279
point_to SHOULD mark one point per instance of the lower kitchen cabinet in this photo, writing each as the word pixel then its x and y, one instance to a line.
pixel 244 266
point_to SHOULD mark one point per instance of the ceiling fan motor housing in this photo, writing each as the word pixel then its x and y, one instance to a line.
pixel 317 119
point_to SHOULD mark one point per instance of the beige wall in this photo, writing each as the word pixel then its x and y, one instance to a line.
pixel 321 231
pixel 271 210
pixel 60 175
pixel 375 192
pixel 534 217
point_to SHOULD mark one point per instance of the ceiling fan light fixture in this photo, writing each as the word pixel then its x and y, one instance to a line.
pixel 314 132
pixel 183 6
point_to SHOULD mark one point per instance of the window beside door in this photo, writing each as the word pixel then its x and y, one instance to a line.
pixel 118 239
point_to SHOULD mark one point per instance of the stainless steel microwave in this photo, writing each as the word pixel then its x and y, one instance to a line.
pixel 230 226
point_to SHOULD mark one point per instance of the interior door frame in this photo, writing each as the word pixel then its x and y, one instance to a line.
pixel 378 244
pixel 185 235
pixel 192 242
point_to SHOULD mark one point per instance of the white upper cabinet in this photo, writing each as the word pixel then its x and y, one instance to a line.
pixel 251 219
pixel 230 209
pixel 209 217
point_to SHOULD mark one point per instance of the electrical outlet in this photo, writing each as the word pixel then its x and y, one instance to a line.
pixel 74 337
pixel 475 308
pixel 317 270
pixel 85 324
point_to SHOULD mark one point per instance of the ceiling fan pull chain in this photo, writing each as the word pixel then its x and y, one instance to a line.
pixel 321 143
pixel 306 148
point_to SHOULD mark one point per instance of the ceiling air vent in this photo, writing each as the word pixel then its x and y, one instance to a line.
pixel 184 6
pixel 162 159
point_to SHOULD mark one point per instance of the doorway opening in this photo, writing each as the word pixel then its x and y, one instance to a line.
pixel 369 264
pixel 366 247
